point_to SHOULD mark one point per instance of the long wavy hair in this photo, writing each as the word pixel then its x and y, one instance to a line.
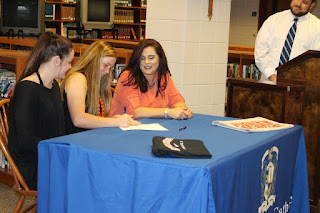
pixel 47 46
pixel 89 65
pixel 136 76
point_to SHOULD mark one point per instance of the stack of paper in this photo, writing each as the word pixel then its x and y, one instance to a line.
pixel 152 127
pixel 257 124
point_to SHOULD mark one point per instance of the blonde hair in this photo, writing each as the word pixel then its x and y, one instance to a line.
pixel 89 64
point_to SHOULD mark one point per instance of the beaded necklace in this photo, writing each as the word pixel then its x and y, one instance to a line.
pixel 101 107
pixel 153 83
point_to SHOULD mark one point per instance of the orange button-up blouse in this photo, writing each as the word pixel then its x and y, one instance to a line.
pixel 130 97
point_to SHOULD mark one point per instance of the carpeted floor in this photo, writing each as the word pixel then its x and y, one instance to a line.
pixel 9 198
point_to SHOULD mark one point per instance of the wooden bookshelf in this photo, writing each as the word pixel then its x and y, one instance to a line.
pixel 242 55
pixel 130 27
pixel 17 44
pixel 61 16
pixel 124 55
pixel 131 20
pixel 14 61
pixel 114 42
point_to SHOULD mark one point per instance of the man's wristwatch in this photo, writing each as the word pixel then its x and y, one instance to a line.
pixel 166 113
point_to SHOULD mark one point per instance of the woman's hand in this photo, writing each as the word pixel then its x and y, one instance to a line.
pixel 188 113
pixel 177 113
pixel 180 113
pixel 126 120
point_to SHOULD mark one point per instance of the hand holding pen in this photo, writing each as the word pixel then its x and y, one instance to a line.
pixel 126 120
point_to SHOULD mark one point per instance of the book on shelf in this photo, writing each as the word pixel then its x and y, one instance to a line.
pixel 233 70
pixel 68 13
pixel 143 16
pixel 256 124
pixel 70 1
pixel 143 3
pixel 7 82
pixel 117 71
pixel 7 93
pixel 143 33
pixel 251 71
pixel 107 35
pixel 127 3
pixel 123 16
pixel 50 11
pixel 4 164
pixel 248 71
pixel 1 156
pixel 71 33
pixel 133 33
pixel 124 32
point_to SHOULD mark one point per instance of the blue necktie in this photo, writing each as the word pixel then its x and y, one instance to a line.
pixel 285 54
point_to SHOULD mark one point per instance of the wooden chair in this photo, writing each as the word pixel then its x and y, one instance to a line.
pixel 20 186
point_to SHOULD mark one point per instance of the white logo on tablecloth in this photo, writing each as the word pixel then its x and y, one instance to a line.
pixel 269 170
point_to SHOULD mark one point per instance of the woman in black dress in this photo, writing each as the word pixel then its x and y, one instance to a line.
pixel 36 110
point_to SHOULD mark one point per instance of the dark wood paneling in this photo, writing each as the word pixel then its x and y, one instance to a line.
pixel 306 68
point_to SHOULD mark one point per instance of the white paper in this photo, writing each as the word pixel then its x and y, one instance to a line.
pixel 257 124
pixel 153 127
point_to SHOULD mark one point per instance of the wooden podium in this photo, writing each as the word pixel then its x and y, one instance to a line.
pixel 295 98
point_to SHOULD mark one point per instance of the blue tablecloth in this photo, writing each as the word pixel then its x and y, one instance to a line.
pixel 110 170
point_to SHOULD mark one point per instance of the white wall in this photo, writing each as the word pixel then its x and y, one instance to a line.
pixel 196 48
pixel 244 26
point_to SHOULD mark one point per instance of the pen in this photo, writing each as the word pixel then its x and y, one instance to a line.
pixel 125 110
pixel 182 128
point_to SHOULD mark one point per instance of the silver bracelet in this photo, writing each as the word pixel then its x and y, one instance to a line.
pixel 166 113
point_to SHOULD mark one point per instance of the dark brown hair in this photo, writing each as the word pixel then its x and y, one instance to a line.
pixel 47 46
pixel 137 78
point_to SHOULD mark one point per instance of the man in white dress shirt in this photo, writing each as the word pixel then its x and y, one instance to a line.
pixel 273 33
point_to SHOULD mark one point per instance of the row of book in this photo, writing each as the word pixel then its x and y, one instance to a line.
pixel 70 1
pixel 50 12
pixel 71 33
pixel 7 82
pixel 107 35
pixel 124 16
pixel 248 71
pixel 124 32
pixel 127 3
pixel 143 33
pixel 143 16
pixel 68 13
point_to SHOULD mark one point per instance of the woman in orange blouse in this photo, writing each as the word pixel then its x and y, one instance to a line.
pixel 145 89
